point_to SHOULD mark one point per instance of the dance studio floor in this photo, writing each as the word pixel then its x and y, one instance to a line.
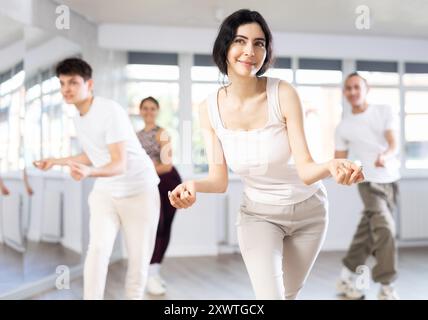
pixel 224 277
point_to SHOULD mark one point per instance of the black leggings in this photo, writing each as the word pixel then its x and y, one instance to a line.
pixel 168 182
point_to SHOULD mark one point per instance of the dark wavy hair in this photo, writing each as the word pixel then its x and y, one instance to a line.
pixel 227 33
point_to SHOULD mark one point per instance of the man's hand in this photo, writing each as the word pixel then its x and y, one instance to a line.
pixel 44 164
pixel 79 171
pixel 380 161
pixel 4 191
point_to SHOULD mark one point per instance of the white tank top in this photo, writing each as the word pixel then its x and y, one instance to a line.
pixel 261 157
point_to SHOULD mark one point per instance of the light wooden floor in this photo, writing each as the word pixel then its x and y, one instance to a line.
pixel 225 277
pixel 39 261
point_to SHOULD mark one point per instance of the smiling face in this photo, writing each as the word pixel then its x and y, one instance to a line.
pixel 75 89
pixel 355 91
pixel 247 51
pixel 149 111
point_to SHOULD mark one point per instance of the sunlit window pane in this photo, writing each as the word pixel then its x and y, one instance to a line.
pixel 200 91
pixel 417 155
pixel 380 78
pixel 283 74
pixel 415 79
pixel 152 72
pixel 385 96
pixel 51 84
pixel 33 92
pixel 322 110
pixel 416 102
pixel 416 127
pixel 209 74
pixel 318 76
pixel 32 132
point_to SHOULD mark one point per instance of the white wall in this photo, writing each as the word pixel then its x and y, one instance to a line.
pixel 195 230
pixel 172 39
pixel 48 53
pixel 11 55
pixel 414 209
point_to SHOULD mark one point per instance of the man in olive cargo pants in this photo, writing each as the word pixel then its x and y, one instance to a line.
pixel 369 133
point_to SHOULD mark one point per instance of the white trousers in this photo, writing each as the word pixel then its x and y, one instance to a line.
pixel 138 217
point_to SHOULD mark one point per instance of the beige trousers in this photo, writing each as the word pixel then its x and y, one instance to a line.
pixel 279 244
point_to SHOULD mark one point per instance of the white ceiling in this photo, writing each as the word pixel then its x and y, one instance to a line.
pixel 10 31
pixel 388 17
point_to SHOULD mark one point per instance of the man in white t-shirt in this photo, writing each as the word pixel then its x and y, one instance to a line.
pixel 369 133
pixel 125 194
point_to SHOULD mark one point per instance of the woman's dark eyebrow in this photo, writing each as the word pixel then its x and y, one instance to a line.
pixel 240 36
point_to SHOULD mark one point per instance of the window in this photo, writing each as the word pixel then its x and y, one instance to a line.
pixel 415 81
pixel 383 79
pixel 11 105
pixel 319 84
pixel 157 75
pixel 319 71
pixel 206 79
pixel 281 69
pixel 48 128
pixel 32 129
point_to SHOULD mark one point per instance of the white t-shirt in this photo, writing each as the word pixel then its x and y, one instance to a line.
pixel 105 123
pixel 362 134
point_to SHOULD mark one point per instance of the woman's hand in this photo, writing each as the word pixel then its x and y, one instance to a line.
pixel 183 196
pixel 345 172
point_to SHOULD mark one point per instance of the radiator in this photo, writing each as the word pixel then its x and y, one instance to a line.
pixel 52 216
pixel 12 212
pixel 413 209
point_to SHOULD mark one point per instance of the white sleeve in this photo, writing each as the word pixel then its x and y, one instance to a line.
pixel 391 119
pixel 341 144
pixel 117 126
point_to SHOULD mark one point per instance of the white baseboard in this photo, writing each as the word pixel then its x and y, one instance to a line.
pixel 72 246
pixel 191 251
pixel 400 244
pixel 412 243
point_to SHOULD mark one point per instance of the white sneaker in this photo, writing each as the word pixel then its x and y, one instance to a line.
pixel 387 292
pixel 341 287
pixel 347 289
pixel 156 286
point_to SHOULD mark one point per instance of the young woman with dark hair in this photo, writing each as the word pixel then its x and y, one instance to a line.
pixel 254 126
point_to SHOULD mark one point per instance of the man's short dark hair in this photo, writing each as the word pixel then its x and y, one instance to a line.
pixel 356 74
pixel 74 66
